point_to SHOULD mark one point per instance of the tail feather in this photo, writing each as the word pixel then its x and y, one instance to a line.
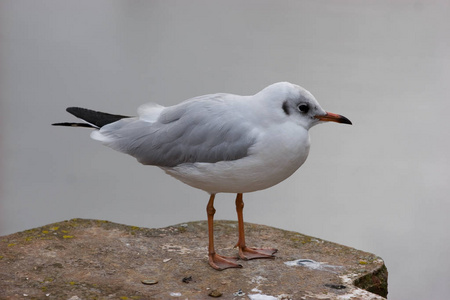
pixel 94 119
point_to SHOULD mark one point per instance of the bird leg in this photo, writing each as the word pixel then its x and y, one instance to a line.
pixel 217 261
pixel 244 251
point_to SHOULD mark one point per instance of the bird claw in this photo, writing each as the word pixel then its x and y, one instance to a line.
pixel 247 253
pixel 220 262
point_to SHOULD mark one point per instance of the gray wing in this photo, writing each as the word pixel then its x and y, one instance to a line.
pixel 204 129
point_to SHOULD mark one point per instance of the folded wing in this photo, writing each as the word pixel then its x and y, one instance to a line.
pixel 199 130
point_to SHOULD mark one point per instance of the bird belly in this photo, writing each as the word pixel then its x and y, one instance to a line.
pixel 266 165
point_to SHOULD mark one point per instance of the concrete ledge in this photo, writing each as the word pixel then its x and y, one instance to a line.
pixel 93 259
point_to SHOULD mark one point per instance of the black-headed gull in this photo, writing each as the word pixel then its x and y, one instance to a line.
pixel 219 143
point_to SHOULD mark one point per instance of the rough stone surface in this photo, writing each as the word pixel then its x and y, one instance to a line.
pixel 93 259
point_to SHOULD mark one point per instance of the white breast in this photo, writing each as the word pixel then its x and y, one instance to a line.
pixel 279 152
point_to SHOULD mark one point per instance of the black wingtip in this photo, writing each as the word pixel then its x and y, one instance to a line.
pixel 75 109
pixel 96 118
pixel 74 125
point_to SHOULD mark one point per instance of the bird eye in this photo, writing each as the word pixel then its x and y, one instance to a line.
pixel 304 108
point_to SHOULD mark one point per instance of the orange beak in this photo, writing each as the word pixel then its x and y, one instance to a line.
pixel 334 118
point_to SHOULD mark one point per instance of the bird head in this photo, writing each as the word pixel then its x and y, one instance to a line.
pixel 295 103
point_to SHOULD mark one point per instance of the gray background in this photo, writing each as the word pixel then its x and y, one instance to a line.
pixel 381 185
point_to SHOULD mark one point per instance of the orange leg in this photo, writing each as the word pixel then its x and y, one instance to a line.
pixel 244 251
pixel 217 261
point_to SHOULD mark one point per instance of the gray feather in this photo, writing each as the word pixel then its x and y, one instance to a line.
pixel 184 133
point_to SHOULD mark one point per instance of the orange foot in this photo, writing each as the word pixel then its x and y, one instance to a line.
pixel 247 253
pixel 220 262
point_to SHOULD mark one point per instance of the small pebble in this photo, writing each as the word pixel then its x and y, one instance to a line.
pixel 336 286
pixel 215 294
pixel 239 293
pixel 149 281
pixel 166 260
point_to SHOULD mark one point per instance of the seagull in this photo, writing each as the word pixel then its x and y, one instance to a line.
pixel 219 143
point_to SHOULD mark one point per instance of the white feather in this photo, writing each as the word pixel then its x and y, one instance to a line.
pixel 150 112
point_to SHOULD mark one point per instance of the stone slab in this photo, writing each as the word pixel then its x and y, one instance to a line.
pixel 94 259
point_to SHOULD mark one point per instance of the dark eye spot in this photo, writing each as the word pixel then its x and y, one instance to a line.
pixel 285 108
pixel 304 108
